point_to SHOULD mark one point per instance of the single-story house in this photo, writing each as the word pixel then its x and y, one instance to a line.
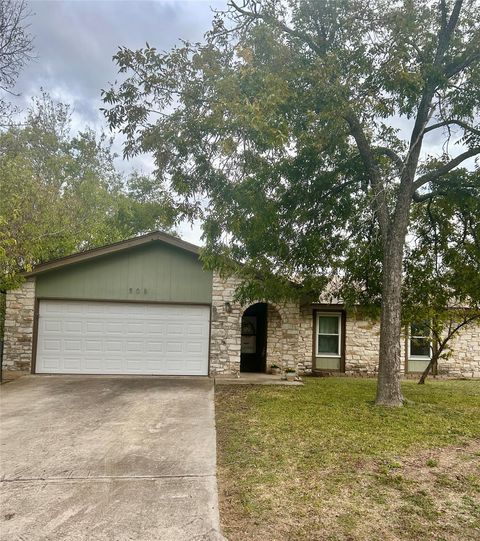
pixel 147 306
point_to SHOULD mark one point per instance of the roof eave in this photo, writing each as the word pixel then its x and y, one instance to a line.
pixel 88 255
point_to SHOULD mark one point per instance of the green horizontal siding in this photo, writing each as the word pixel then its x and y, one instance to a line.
pixel 156 272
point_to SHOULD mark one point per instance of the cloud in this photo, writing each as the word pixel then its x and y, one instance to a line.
pixel 75 41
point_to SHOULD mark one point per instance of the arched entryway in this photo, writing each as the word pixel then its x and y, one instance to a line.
pixel 253 353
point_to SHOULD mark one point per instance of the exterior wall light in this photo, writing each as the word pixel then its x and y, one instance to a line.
pixel 228 307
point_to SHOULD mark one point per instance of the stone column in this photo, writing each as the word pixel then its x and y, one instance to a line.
pixel 274 337
pixel 17 350
pixel 290 314
pixel 225 339
pixel 305 339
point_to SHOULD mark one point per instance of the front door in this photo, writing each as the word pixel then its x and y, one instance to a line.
pixel 254 339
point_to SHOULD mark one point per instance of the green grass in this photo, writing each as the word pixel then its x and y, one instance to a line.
pixel 321 461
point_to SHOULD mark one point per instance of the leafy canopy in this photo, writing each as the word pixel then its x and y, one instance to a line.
pixel 61 193
pixel 285 128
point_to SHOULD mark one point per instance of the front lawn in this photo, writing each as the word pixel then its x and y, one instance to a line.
pixel 321 462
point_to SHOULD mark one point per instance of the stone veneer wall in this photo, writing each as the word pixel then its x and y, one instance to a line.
pixel 17 353
pixel 305 339
pixel 362 345
pixel 464 360
pixel 274 337
pixel 225 344
pixel 225 338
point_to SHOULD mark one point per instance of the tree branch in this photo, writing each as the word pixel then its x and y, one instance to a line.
pixel 279 24
pixel 455 67
pixel 424 108
pixel 433 175
pixel 371 166
pixel 421 197
pixel 460 123
pixel 447 29
pixel 385 151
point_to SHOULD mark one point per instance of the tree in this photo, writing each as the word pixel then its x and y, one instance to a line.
pixel 443 329
pixel 16 46
pixel 61 193
pixel 282 132
pixel 441 289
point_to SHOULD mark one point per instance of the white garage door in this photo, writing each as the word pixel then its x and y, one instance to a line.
pixel 77 337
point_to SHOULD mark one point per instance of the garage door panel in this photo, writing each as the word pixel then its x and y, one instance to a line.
pixel 51 364
pixel 53 345
pixel 134 346
pixel 152 347
pixel 74 364
pixel 93 345
pixel 113 365
pixel 156 329
pixel 54 326
pixel 194 347
pixel 73 326
pixel 113 346
pixel 114 327
pixel 116 338
pixel 70 346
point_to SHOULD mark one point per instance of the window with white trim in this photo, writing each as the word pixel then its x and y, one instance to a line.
pixel 328 343
pixel 420 342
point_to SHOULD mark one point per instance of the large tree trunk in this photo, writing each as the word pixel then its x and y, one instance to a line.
pixel 389 392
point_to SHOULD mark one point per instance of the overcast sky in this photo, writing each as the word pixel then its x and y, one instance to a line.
pixel 76 39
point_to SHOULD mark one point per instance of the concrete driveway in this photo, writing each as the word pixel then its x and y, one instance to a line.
pixel 108 458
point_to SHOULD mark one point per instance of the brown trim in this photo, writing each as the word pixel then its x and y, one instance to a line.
pixel 343 343
pixel 121 301
pixel 327 306
pixel 36 315
pixel 113 248
pixel 209 338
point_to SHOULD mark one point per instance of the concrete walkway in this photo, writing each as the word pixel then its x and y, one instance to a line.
pixel 108 458
pixel 252 378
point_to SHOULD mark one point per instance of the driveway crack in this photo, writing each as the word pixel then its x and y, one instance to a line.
pixel 107 477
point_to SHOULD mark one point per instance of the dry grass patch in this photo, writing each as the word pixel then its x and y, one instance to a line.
pixel 323 463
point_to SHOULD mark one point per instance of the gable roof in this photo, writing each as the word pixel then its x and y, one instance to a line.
pixel 87 255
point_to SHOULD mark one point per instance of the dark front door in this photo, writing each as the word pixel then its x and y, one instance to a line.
pixel 254 339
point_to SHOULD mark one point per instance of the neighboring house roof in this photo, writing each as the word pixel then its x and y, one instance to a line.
pixel 155 236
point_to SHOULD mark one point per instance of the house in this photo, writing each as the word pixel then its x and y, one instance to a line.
pixel 147 306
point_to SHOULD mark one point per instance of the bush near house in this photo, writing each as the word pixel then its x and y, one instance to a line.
pixel 322 463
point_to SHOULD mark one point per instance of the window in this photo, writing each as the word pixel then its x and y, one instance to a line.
pixel 420 342
pixel 328 335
